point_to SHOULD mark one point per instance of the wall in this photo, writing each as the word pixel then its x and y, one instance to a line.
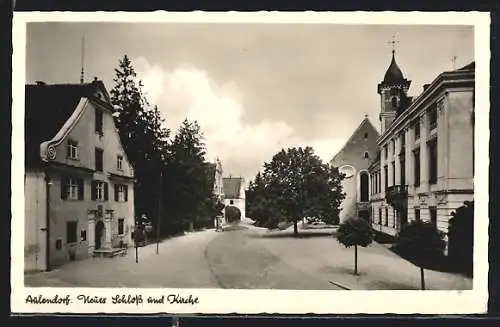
pixel 34 215
pixel 353 154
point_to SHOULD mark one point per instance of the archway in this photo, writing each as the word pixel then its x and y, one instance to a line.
pixel 99 234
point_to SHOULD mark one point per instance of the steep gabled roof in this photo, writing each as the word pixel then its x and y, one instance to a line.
pixel 232 187
pixel 47 108
pixel 364 122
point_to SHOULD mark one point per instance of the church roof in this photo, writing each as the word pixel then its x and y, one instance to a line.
pixel 232 187
pixel 47 108
pixel 393 73
pixel 365 122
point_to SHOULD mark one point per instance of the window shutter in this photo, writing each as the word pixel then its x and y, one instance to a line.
pixel 93 193
pixel 81 189
pixel 64 188
pixel 116 192
pixel 105 191
pixel 126 192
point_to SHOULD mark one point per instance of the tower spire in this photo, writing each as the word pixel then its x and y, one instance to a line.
pixel 82 72
pixel 393 43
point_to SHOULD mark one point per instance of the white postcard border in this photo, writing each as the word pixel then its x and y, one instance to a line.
pixel 263 301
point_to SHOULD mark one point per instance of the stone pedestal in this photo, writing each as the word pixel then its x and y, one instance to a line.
pixel 108 217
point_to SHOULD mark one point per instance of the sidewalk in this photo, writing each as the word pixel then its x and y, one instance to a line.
pixel 378 267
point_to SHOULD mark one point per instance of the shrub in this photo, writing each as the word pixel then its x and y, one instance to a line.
pixel 422 244
pixel 461 237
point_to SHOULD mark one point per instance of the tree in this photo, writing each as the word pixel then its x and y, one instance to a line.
pixel 422 244
pixel 143 136
pixel 355 232
pixel 300 185
pixel 461 237
pixel 189 187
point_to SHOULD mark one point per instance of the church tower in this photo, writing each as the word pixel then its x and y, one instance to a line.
pixel 393 94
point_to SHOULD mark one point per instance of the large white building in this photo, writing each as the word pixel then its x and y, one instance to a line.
pixel 425 163
pixel 79 185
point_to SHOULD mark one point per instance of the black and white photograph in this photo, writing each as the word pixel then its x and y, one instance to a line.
pixel 274 161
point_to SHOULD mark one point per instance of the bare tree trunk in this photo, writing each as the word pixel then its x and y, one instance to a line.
pixel 355 260
pixel 422 279
pixel 295 228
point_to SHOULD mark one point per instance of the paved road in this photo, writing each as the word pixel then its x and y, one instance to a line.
pixel 199 260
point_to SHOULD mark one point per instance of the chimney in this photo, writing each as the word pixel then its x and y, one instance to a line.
pixel 40 83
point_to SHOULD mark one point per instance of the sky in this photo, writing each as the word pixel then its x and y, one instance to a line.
pixel 253 88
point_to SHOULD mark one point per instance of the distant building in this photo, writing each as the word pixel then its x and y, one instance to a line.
pixel 79 185
pixel 353 160
pixel 424 169
pixel 234 193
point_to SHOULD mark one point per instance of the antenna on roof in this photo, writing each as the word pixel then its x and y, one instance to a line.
pixel 82 72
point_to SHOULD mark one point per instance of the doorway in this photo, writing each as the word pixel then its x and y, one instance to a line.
pixel 365 215
pixel 99 234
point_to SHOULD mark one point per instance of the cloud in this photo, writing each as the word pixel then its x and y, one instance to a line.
pixel 189 92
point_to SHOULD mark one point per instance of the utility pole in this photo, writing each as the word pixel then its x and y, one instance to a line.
pixel 159 213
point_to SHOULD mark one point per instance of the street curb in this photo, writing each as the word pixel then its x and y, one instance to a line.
pixel 339 285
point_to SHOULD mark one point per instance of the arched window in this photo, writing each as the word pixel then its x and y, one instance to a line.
pixel 394 102
pixel 366 155
pixel 363 186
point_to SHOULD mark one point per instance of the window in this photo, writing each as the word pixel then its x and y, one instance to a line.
pixel 379 180
pixel 433 215
pixel 366 155
pixel 417 129
pixel 58 244
pixel 366 136
pixel 363 186
pixel 433 160
pixel 83 235
pixel 98 121
pixel 416 166
pixel 72 188
pixel 71 232
pixel 386 152
pixel 393 173
pixel 99 191
pixel 417 214
pixel 394 101
pixel 119 162
pixel 394 215
pixel 72 149
pixel 380 216
pixel 386 177
pixel 433 117
pixel 121 229
pixel 98 159
pixel 403 143
pixel 386 216
pixel 121 193
pixel 402 172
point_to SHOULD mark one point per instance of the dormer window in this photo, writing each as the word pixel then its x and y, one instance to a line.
pixel 98 121
pixel 119 162
pixel 72 149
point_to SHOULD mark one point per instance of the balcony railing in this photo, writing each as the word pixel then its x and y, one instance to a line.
pixel 397 196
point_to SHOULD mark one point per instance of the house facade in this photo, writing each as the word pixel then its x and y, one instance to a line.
pixel 79 185
pixel 353 161
pixel 234 193
pixel 425 164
